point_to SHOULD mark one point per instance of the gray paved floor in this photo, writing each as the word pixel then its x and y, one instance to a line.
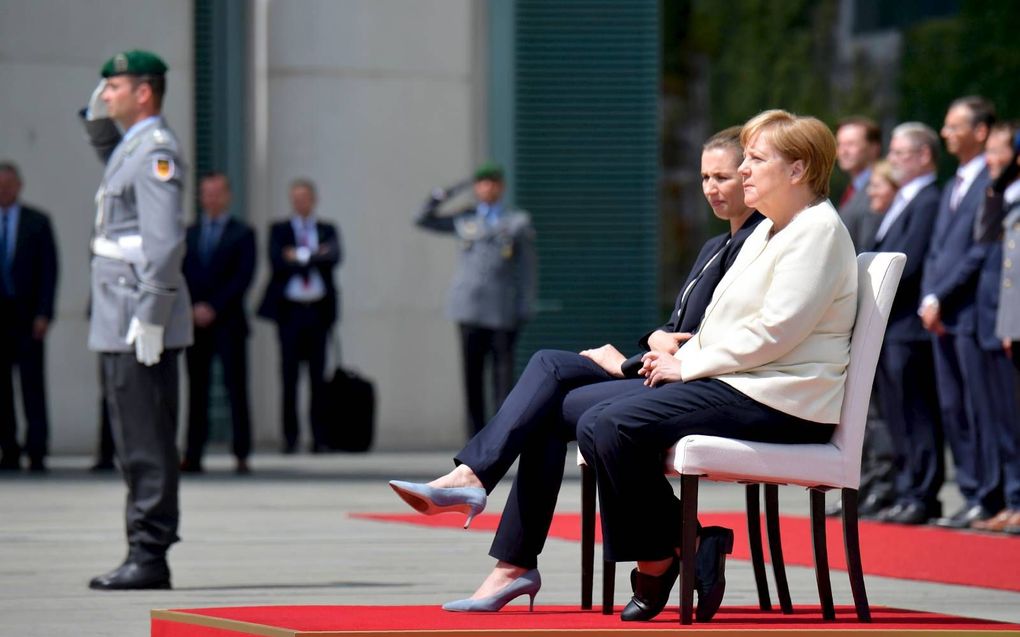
pixel 283 536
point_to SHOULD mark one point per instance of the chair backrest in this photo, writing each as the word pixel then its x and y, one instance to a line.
pixel 878 276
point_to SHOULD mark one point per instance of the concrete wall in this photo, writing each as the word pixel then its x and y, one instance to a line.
pixel 377 101
pixel 50 55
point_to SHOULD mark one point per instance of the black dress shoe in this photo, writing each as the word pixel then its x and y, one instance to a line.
pixel 651 592
pixel 872 505
pixel 910 513
pixel 133 575
pixel 962 518
pixel 37 465
pixel 102 465
pixel 242 468
pixel 10 464
pixel 709 570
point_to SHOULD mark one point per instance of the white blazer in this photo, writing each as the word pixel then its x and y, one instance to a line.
pixel 778 326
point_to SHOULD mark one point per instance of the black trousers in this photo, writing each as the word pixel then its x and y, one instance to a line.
pixel 624 440
pixel 104 445
pixel 967 418
pixel 18 349
pixel 905 383
pixel 534 424
pixel 143 415
pixel 232 351
pixel 303 337
pixel 479 344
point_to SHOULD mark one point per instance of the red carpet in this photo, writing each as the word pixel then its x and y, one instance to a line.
pixel 322 621
pixel 907 552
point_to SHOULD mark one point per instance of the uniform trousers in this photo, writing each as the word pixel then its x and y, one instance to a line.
pixel 232 351
pixel 477 345
pixel 625 438
pixel 19 349
pixel 905 382
pixel 303 335
pixel 142 402
pixel 960 372
pixel 998 405
pixel 535 423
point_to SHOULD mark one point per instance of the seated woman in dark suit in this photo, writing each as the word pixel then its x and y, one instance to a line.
pixel 768 362
pixel 539 416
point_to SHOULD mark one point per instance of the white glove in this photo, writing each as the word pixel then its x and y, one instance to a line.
pixel 97 107
pixel 148 340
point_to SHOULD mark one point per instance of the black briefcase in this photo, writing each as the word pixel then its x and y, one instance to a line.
pixel 349 413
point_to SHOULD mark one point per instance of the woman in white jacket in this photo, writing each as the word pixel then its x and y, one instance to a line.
pixel 767 364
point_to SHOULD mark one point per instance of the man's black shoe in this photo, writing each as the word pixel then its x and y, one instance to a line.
pixel 962 518
pixel 102 465
pixel 132 575
pixel 872 505
pixel 37 465
pixel 911 513
pixel 10 464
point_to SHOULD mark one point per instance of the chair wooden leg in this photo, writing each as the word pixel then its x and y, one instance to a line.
pixel 852 540
pixel 821 553
pixel 776 547
pixel 688 534
pixel 608 586
pixel 754 540
pixel 587 535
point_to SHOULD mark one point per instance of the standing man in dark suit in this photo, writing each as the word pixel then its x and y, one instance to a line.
pixel 948 312
pixel 218 267
pixel 904 380
pixel 858 147
pixel 28 284
pixel 140 317
pixel 493 287
pixel 302 299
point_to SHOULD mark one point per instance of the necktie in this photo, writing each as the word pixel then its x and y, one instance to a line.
pixel 954 199
pixel 6 285
pixel 847 194
pixel 208 240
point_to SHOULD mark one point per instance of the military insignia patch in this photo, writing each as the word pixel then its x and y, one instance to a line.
pixel 163 168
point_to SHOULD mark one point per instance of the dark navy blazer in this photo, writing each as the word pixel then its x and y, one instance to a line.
pixel 954 260
pixel 910 234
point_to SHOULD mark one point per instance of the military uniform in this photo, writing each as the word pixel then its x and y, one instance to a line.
pixel 138 248
pixel 491 294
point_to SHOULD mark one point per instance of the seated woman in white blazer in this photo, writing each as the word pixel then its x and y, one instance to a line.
pixel 767 364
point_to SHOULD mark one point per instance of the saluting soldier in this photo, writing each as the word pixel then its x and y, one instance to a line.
pixel 493 287
pixel 141 312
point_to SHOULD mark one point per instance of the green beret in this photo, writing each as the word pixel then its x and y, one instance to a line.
pixel 489 170
pixel 136 62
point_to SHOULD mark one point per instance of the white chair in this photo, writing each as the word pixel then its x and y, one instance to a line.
pixel 819 467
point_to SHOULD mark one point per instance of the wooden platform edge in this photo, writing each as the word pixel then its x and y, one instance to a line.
pixel 194 619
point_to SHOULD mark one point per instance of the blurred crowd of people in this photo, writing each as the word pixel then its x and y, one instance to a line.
pixel 945 372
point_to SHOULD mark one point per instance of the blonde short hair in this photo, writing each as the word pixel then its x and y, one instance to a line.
pixel 884 169
pixel 797 137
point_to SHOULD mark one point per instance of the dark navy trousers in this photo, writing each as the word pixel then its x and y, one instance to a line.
pixel 968 417
pixel 905 383
pixel 535 423
pixel 624 440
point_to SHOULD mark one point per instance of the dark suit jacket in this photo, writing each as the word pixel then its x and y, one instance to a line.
pixel 224 281
pixel 911 235
pixel 34 268
pixel 954 260
pixel 281 235
pixel 688 312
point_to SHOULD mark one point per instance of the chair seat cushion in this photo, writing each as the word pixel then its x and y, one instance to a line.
pixel 729 460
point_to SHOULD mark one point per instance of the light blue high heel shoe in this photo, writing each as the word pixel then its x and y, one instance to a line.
pixel 432 500
pixel 527 584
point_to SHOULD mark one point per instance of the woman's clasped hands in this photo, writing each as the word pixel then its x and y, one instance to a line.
pixel 660 367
